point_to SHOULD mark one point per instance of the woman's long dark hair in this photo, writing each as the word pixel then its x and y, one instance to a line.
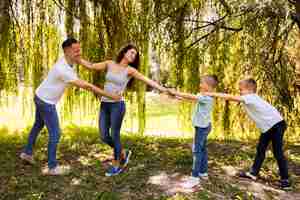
pixel 135 64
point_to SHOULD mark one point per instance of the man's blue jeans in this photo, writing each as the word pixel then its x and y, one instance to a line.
pixel 199 151
pixel 45 114
pixel 110 122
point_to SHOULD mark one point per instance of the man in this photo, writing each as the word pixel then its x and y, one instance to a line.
pixel 46 97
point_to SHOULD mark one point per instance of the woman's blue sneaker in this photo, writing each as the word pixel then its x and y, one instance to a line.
pixel 125 160
pixel 112 171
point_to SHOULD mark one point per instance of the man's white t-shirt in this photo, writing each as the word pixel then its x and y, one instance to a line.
pixel 261 112
pixel 53 87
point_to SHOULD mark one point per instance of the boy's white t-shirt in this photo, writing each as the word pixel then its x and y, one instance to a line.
pixel 261 112
pixel 53 87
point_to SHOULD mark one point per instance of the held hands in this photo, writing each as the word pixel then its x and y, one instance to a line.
pixel 163 89
pixel 77 59
pixel 113 96
pixel 116 97
pixel 172 92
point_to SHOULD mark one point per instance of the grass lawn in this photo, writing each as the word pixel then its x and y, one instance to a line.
pixel 156 165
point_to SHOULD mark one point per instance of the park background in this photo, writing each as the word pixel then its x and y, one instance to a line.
pixel 178 41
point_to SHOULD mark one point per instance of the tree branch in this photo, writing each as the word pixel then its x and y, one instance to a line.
pixel 292 2
pixel 201 38
pixel 63 7
pixel 231 29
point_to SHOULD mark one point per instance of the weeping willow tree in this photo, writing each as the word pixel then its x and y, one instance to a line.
pixel 145 14
pixel 97 47
pixel 229 38
pixel 5 29
pixel 180 57
pixel 71 11
pixel 38 47
pixel 112 16
pixel 216 65
pixel 264 29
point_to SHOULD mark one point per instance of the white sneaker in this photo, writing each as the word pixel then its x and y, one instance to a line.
pixel 58 170
pixel 203 176
pixel 247 175
pixel 27 158
pixel 191 182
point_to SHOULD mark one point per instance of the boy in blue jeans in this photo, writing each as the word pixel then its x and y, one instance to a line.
pixel 202 122
pixel 270 123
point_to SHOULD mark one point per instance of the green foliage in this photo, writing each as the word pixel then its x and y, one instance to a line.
pixel 69 21
pixel 231 39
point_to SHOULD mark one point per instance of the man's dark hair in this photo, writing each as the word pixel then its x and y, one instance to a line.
pixel 68 42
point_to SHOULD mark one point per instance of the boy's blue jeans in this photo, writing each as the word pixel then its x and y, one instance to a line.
pixel 45 114
pixel 110 122
pixel 199 151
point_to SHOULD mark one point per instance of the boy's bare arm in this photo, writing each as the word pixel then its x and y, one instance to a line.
pixel 225 96
pixel 183 95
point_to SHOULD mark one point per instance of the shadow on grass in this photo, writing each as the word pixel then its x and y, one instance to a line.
pixel 82 150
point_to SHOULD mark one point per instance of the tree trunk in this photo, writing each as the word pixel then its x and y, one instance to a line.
pixel 4 22
pixel 144 68
pixel 69 17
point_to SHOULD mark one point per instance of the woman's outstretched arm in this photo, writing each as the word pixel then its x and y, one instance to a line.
pixel 135 74
pixel 94 66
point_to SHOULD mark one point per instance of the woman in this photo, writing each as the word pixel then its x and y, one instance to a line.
pixel 118 75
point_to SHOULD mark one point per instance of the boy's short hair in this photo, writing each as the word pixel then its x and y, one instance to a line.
pixel 68 42
pixel 250 83
pixel 211 80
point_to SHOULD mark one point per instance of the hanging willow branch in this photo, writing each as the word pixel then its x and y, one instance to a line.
pixel 5 20
pixel 226 6
pixel 201 38
pixel 296 16
pixel 292 1
pixel 77 16
pixel 63 7
pixel 285 34
pixel 217 24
